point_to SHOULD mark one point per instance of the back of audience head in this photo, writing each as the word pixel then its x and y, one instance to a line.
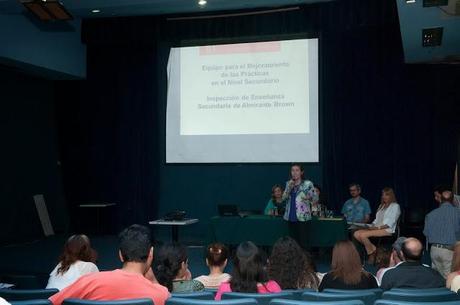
pixel 216 255
pixel 76 248
pixel 248 268
pixel 412 250
pixel 382 259
pixel 135 245
pixel 443 193
pixel 170 263
pixel 346 263
pixel 396 254
pixel 290 266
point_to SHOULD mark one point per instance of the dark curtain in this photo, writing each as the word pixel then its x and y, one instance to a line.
pixel 379 125
pixel 109 136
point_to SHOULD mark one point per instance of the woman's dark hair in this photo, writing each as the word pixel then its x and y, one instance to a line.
pixel 290 266
pixel 216 254
pixel 300 166
pixel 382 259
pixel 346 263
pixel 168 262
pixel 248 268
pixel 76 248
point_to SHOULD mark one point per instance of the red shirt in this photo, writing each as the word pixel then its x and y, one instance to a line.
pixel 112 285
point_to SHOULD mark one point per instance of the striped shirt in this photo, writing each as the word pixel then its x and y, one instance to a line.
pixel 442 225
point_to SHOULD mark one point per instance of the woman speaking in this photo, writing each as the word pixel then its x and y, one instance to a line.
pixel 299 195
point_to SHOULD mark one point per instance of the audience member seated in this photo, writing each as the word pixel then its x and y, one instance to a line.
pixel 455 274
pixel 77 259
pixel 216 260
pixel 356 209
pixel 346 270
pixel 290 267
pixel 411 273
pixel 395 257
pixel 382 261
pixel 129 282
pixel 442 230
pixel 318 207
pixel 384 224
pixel 170 269
pixel 249 273
pixel 276 205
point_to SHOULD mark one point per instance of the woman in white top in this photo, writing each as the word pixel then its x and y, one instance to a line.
pixel 384 224
pixel 77 259
pixel 216 260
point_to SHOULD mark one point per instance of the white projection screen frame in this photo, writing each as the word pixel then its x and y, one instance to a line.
pixel 243 103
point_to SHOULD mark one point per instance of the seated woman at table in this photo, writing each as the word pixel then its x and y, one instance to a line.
pixel 346 270
pixel 216 260
pixel 318 207
pixel 384 224
pixel 77 259
pixel 170 268
pixel 249 273
pixel 276 205
pixel 290 267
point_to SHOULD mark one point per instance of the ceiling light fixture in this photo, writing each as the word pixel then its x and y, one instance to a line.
pixel 202 2
pixel 95 11
pixel 47 10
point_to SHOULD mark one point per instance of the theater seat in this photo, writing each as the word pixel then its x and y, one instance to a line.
pixel 202 295
pixel 368 298
pixel 295 302
pixel 396 302
pixel 421 295
pixel 298 292
pixel 26 294
pixel 184 301
pixel 143 301
pixel 261 298
pixel 32 302
pixel 377 291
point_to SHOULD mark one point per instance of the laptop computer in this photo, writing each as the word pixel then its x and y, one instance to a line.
pixel 228 210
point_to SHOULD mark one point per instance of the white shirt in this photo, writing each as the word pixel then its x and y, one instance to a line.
pixel 76 270
pixel 213 281
pixel 4 302
pixel 388 216
pixel 455 286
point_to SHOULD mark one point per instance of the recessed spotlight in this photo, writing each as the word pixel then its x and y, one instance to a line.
pixel 95 11
pixel 202 2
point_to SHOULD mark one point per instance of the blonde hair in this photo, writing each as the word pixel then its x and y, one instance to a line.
pixel 389 191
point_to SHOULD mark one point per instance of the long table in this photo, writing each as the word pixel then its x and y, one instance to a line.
pixel 265 230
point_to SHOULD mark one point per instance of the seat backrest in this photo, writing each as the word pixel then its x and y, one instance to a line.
pixel 296 302
pixel 141 301
pixel 32 302
pixel 185 301
pixel 420 295
pixel 397 302
pixel 23 281
pixel 377 291
pixel 368 298
pixel 26 294
pixel 202 295
pixel 297 293
pixel 262 298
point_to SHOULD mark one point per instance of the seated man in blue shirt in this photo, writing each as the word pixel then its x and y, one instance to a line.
pixel 356 209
